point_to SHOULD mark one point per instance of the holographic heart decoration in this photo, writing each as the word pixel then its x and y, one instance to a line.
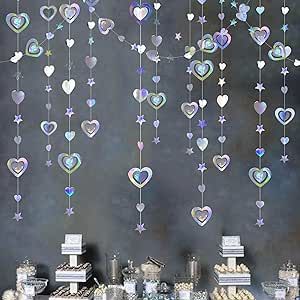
pixel 279 52
pixel 33 49
pixel 17 22
pixel 221 162
pixel 285 116
pixel 140 11
pixel 207 44
pixel 17 96
pixel 69 12
pixel 260 35
pixel 222 38
pixel 140 95
pixel 140 177
pixel 90 128
pixel 201 215
pixel 17 166
pixel 157 100
pixel 202 70
pixel 260 177
pixel 105 25
pixel 48 13
pixel 242 14
pixel 189 109
pixel 48 127
pixel 69 163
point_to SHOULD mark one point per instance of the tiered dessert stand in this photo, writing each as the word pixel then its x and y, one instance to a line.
pixel 232 275
pixel 73 272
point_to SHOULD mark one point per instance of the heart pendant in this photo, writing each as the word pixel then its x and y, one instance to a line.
pixel 17 166
pixel 202 70
pixel 17 96
pixel 48 12
pixel 90 128
pixel 157 100
pixel 48 127
pixel 140 177
pixel 33 48
pixel 201 215
pixel 202 143
pixel 69 12
pixel 70 191
pixel 141 11
pixel 221 162
pixel 105 25
pixel 207 44
pixel 17 23
pixel 189 109
pixel 285 116
pixel 260 177
pixel 90 61
pixel 140 95
pixel 260 107
pixel 68 86
pixel 260 35
pixel 222 38
pixel 279 52
pixel 69 163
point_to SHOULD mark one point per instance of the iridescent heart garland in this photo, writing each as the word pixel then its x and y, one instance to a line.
pixel 90 127
pixel 48 127
pixel 281 52
pixel 140 176
pixel 157 99
pixel 262 175
pixel 222 40
pixel 69 162
pixel 18 22
pixel 202 70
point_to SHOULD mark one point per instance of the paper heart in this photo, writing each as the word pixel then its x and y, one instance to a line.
pixel 141 49
pixel 189 135
pixel 69 12
pixel 70 43
pixel 48 148
pixel 285 10
pixel 222 38
pixel 140 177
pixel 17 166
pixel 260 152
pixel 189 87
pixel 261 64
pixel 69 163
pixel 189 52
pixel 18 55
pixel 201 70
pixel 260 177
pixel 90 61
pixel 153 55
pixel 202 143
pixel 156 40
pixel 48 106
pixel 70 135
pixel 222 139
pixel 207 44
pixel 285 140
pixel 260 204
pixel 33 48
pixel 140 10
pixel 105 25
pixel 222 66
pixel 18 198
pixel 242 14
pixel 221 162
pixel 140 145
pixel 18 139
pixel 17 96
pixel 48 127
pixel 285 116
pixel 189 109
pixel 157 5
pixel 284 89
pixel 279 52
pixel 140 95
pixel 156 123
pixel 68 86
pixel 222 100
pixel 260 107
pixel 70 191
pixel 140 207
pixel 90 128
pixel 156 79
pixel 260 35
pixel 202 103
pixel 190 16
pixel 17 22
pixel 260 10
pixel 49 70
pixel 157 100
pixel 49 35
pixel 92 9
pixel 201 215
pixel 90 102
pixel 201 188
pixel 91 2
pixel 48 13
pixel 91 25
pixel 221 16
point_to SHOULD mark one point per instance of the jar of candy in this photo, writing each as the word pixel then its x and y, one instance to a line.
pixel 25 270
pixel 183 288
pixel 288 273
pixel 130 274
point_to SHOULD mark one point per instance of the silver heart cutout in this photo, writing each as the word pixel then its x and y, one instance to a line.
pixel 90 128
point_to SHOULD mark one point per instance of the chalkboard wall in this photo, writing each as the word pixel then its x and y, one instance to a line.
pixel 105 200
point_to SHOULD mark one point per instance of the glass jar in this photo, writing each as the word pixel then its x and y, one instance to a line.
pixel 26 270
pixel 164 292
pixel 289 274
pixel 183 288
pixel 193 268
pixel 130 274
pixel 113 268
pixel 115 292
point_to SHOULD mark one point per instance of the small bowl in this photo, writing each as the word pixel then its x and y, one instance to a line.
pixel 39 284
pixel 269 287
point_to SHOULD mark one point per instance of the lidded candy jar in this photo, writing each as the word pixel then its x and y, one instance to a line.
pixel 130 274
pixel 25 270
pixel 288 273
pixel 193 268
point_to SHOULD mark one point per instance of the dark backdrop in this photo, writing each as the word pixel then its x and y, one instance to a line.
pixel 105 200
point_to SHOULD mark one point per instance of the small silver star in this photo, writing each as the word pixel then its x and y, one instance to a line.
pixel 133 47
pixel 260 87
pixel 260 129
pixel 69 112
pixel 69 211
pixel 284 71
pixel 202 20
pixel 91 41
pixel 284 158
pixel 91 82
pixel 221 81
pixel 178 36
pixel 260 222
pixel 18 119
pixel 140 228
pixel 156 140
pixel 222 119
pixel 48 88
pixel 189 70
pixel 202 167
pixel 18 217
pixel 140 120
pixel 189 151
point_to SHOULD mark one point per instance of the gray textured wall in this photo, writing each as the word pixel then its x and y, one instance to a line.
pixel 105 200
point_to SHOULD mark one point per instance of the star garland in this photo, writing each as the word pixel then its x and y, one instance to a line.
pixel 140 176
pixel 18 22
pixel 48 127
pixel 91 127
pixel 69 162
pixel 260 176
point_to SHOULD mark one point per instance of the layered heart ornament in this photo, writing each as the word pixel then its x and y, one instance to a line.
pixel 17 166
pixel 48 128
pixel 260 34
pixel 68 86
pixel 202 70
pixel 221 162
pixel 69 12
pixel 207 44
pixel 201 215
pixel 140 177
pixel 222 38
pixel 18 96
pixel 33 49
pixel 157 100
pixel 90 128
pixel 105 25
pixel 242 14
pixel 285 116
pixel 48 13
pixel 260 177
pixel 189 52
pixel 279 52
pixel 189 109
pixel 140 11
pixel 69 163
pixel 17 22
